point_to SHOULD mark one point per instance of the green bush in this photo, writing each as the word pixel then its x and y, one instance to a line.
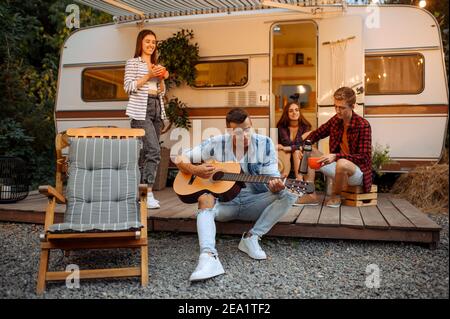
pixel 179 56
pixel 177 113
pixel 14 141
pixel 32 35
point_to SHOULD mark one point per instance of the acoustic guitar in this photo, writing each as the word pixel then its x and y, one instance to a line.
pixel 226 183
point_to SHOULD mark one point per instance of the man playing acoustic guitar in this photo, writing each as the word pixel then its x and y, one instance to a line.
pixel 256 202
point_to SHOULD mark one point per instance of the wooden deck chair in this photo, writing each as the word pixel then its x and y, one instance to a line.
pixel 106 207
pixel 61 142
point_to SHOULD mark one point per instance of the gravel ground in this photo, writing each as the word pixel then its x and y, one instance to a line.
pixel 296 268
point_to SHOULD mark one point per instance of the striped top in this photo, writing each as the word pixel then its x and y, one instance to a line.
pixel 136 68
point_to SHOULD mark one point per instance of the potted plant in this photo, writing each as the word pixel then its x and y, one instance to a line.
pixel 179 56
pixel 380 156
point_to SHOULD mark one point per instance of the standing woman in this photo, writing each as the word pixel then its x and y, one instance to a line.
pixel 144 83
pixel 291 127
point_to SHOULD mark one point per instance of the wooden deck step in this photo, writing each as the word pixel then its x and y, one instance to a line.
pixel 351 217
pixel 329 216
pixel 372 218
pixel 414 215
pixel 310 214
pixel 392 219
pixel 291 215
pixel 393 216
pixel 187 212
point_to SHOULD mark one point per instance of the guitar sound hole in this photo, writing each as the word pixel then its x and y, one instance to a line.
pixel 217 176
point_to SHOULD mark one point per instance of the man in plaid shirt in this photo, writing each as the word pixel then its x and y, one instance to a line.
pixel 350 158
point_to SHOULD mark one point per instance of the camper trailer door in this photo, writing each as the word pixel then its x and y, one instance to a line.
pixel 341 63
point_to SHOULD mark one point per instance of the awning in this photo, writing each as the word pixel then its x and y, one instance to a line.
pixel 126 10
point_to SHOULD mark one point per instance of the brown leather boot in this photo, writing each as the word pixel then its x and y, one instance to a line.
pixel 307 199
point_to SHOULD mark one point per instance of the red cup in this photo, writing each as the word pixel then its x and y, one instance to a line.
pixel 313 162
pixel 163 75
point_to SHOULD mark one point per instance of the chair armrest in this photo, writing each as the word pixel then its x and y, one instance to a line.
pixel 49 191
pixel 143 190
pixel 143 208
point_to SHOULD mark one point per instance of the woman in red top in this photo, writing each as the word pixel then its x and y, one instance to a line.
pixel 292 127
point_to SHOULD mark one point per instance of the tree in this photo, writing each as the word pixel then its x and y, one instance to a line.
pixel 32 34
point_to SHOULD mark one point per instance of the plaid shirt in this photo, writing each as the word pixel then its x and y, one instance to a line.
pixel 284 136
pixel 359 137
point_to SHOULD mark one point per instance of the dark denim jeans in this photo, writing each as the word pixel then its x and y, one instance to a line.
pixel 150 152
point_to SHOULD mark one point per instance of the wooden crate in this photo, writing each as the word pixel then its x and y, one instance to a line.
pixel 354 196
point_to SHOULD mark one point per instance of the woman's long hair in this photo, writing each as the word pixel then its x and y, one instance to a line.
pixel 138 51
pixel 284 120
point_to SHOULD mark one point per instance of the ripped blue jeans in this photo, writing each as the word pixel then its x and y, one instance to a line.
pixel 265 208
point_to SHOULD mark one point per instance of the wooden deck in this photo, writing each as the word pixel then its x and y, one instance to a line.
pixel 393 219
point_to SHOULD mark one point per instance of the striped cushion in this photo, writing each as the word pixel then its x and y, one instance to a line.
pixel 102 189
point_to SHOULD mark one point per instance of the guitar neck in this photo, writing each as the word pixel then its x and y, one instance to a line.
pixel 247 178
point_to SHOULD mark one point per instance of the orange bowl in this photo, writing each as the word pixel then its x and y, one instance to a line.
pixel 313 163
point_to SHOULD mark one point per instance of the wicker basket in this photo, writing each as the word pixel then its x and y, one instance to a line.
pixel 14 180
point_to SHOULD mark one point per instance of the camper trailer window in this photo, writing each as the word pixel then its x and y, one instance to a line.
pixel 225 73
pixel 394 74
pixel 103 84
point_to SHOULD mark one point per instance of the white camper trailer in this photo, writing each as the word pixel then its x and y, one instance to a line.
pixel 257 57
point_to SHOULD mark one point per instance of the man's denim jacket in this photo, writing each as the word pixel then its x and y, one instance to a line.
pixel 262 158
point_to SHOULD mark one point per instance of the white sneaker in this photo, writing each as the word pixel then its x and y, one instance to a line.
pixel 208 266
pixel 251 247
pixel 152 203
pixel 150 194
